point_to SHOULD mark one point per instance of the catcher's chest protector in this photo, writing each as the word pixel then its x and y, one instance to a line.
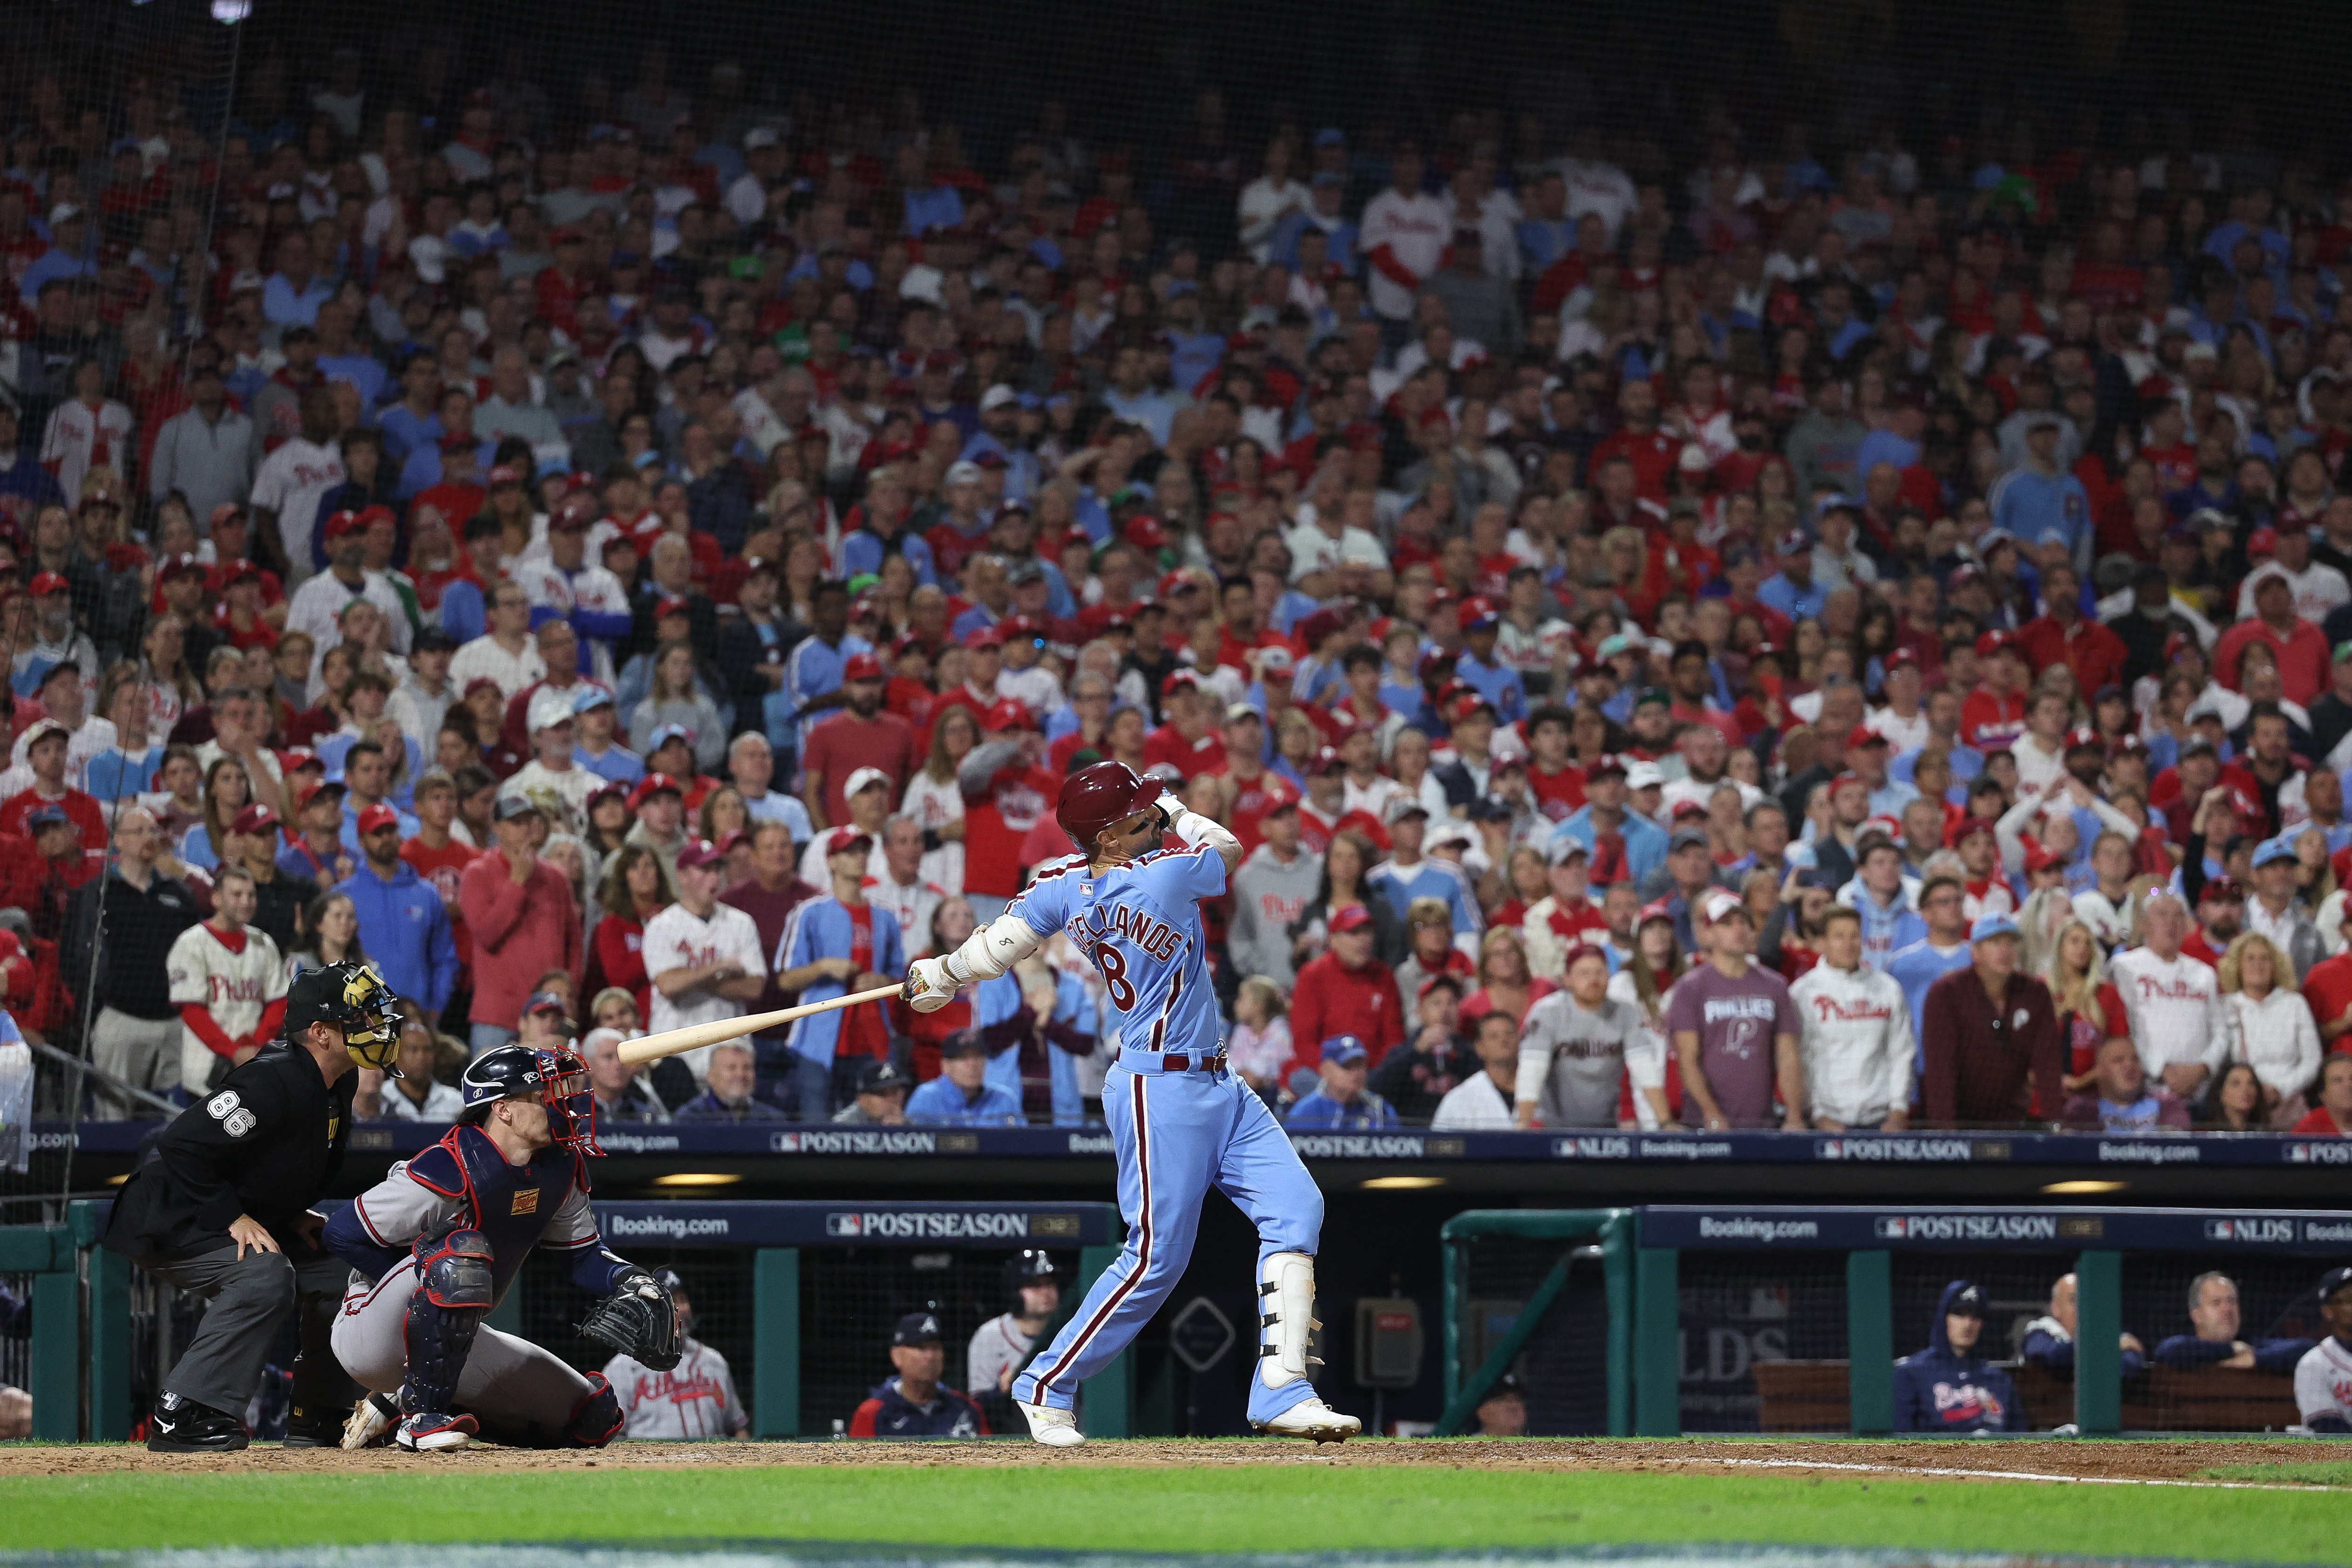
pixel 510 1205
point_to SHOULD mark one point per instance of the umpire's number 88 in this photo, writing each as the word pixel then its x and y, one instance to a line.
pixel 1114 972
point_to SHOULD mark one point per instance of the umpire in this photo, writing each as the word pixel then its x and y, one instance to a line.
pixel 218 1208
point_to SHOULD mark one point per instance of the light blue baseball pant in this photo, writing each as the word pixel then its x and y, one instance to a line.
pixel 1176 1134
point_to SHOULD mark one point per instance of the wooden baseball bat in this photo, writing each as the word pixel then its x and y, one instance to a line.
pixel 694 1036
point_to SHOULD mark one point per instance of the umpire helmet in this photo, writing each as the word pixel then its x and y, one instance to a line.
pixel 1030 1267
pixel 1095 797
pixel 352 998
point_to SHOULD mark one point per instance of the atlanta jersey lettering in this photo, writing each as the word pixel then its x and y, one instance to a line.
pixel 2323 1381
pixel 1138 925
pixel 693 1399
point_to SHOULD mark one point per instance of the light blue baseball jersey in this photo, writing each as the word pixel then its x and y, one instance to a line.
pixel 1139 925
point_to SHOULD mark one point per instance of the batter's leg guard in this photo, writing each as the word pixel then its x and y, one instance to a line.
pixel 1286 1318
pixel 453 1296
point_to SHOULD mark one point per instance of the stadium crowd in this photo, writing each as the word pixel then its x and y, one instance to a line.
pixel 1792 636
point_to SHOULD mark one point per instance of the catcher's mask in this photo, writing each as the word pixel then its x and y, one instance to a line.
pixel 353 998
pixel 557 1077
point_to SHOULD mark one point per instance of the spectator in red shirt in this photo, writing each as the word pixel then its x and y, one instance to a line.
pixel 2333 1116
pixel 1187 742
pixel 2328 989
pixel 1006 789
pixel 1993 716
pixel 862 736
pixel 2062 634
pixel 2300 646
pixel 1639 440
pixel 1347 991
pixel 44 752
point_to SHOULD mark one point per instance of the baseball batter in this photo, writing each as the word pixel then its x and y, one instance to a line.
pixel 1180 1120
pixel 435 1244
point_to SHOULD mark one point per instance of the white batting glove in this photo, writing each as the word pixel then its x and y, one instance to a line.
pixel 927 987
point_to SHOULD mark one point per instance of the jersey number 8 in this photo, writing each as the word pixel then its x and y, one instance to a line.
pixel 1114 972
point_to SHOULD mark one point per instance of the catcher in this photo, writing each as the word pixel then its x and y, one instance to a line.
pixel 440 1239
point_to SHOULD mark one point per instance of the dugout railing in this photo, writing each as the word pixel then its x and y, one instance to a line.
pixel 800 1297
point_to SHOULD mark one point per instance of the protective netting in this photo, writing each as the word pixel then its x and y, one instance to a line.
pixel 1563 1371
pixel 1763 1343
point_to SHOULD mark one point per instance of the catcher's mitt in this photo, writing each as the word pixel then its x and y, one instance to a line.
pixel 637 1320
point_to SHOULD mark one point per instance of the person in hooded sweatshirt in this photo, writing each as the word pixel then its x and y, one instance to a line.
pixel 1948 1389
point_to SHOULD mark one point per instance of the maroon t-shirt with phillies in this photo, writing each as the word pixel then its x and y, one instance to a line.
pixel 1736 1021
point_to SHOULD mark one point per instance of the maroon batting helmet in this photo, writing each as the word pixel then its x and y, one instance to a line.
pixel 1096 797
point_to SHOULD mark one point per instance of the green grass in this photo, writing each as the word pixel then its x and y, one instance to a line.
pixel 1285 1509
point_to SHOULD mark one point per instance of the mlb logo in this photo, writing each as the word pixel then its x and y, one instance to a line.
pixel 1892 1228
pixel 2218 1229
pixel 845 1224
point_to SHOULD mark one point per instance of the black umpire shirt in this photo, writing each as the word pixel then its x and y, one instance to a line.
pixel 265 1143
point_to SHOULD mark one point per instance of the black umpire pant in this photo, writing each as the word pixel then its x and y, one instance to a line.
pixel 246 1297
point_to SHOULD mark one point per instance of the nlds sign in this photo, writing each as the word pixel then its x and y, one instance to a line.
pixel 2245 1229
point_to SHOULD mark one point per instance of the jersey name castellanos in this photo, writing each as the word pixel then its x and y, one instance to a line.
pixel 1139 925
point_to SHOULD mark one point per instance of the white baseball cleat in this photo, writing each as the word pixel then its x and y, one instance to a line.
pixel 1311 1417
pixel 371 1420
pixel 1055 1428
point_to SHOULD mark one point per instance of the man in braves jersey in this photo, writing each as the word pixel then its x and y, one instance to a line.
pixel 1181 1120
pixel 913 1402
pixel 229 984
pixel 1000 1346
pixel 2323 1378
pixel 1993 715
pixel 695 1399
pixel 435 1244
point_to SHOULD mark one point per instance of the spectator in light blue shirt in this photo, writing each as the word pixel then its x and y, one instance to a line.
pixel 2040 500
pixel 69 255
pixel 1791 590
pixel 1340 1102
pixel 294 292
pixel 962 1095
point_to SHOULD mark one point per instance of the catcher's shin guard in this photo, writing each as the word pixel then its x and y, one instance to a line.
pixel 452 1297
pixel 594 1421
pixel 1286 1318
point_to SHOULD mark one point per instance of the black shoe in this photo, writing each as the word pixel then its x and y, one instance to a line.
pixel 184 1426
pixel 308 1429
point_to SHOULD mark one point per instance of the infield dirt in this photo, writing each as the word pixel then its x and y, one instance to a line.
pixel 2173 1460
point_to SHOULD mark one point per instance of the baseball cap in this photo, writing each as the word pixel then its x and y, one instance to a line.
pixel 2085 739
pixel 1403 806
pixel 1344 1050
pixel 255 819
pixel 861 666
pixel 699 852
pixel 547 1002
pixel 2331 1281
pixel 663 735
pixel 1644 775
pixel 1993 641
pixel 847 840
pixel 1452 981
pixel 963 473
pixel 378 816
pixel 1792 542
pixel 2269 851
pixel 1688 839
pixel 1465 706
pixel 965 1043
pixel 1971 827
pixel 511 804
pixel 549 708
pixel 1478 614
pixel 1326 759
pixel 1864 735
pixel 650 786
pixel 1355 917
pixel 589 696
pixel 1656 909
pixel 984 636
pixel 1564 849
pixel 49 815
pixel 917 1328
pixel 864 778
pixel 997 396
pixel 1990 926
pixel 1607 765
pixel 314 789
pixel 46 583
pixel 880 1075
pixel 1010 713
pixel 1717 903
pixel 1968 1301
pixel 40 729
pixel 2263 542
